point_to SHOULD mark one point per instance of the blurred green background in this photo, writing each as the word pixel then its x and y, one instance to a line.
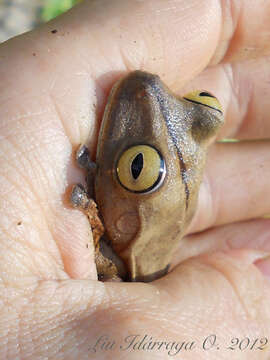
pixel 18 16
pixel 53 8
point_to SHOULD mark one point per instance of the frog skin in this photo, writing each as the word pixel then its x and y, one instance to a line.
pixel 150 158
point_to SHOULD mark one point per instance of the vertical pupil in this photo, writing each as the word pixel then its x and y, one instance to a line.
pixel 204 93
pixel 137 166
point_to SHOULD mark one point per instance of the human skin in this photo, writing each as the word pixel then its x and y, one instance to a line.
pixel 54 85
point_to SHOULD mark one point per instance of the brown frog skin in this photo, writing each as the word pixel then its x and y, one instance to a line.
pixel 150 158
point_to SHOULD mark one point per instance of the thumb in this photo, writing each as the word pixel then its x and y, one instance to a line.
pixel 210 307
pixel 54 82
pixel 226 294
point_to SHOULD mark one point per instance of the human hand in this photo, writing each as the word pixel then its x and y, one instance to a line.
pixel 54 85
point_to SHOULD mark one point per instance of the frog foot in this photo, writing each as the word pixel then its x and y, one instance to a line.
pixel 80 199
pixel 106 268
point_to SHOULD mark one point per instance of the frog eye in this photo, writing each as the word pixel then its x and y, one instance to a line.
pixel 141 169
pixel 204 98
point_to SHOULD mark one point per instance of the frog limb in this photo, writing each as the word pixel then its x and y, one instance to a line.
pixel 80 199
pixel 83 158
pixel 107 270
pixel 84 161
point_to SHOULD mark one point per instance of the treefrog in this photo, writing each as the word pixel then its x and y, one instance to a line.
pixel 150 157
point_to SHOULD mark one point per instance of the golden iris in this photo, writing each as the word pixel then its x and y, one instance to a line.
pixel 141 169
pixel 204 98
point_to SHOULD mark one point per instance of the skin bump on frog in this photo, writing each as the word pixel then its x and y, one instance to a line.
pixel 142 190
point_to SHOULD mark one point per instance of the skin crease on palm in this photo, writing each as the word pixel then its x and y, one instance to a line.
pixel 53 89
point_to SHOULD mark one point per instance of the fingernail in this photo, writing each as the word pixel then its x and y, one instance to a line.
pixel 264 266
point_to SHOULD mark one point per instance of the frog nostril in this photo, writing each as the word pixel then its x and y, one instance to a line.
pixel 137 166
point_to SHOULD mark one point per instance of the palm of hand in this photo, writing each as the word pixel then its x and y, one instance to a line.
pixel 45 114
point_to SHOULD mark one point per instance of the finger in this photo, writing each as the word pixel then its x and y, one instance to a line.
pixel 52 82
pixel 253 234
pixel 242 39
pixel 54 100
pixel 222 294
pixel 138 40
pixel 249 103
pixel 228 278
pixel 151 35
pixel 243 90
pixel 236 184
pixel 127 46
